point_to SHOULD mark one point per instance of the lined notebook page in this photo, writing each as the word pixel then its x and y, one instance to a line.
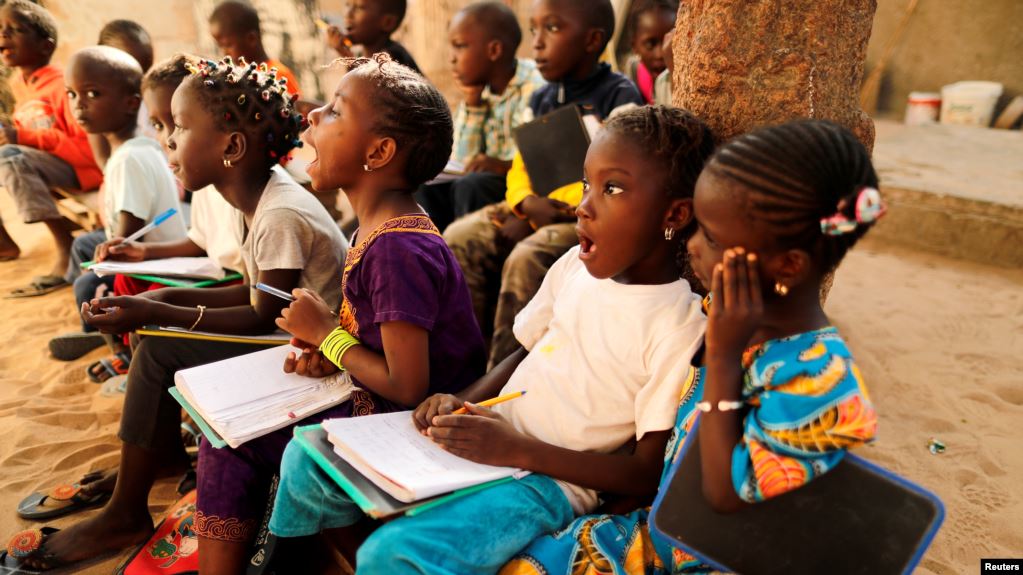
pixel 390 445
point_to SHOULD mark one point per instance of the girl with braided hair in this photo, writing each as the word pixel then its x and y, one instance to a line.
pixel 780 397
pixel 233 124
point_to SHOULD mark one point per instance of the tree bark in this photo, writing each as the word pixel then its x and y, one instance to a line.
pixel 740 64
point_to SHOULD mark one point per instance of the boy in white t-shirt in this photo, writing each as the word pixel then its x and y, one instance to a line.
pixel 103 91
pixel 610 335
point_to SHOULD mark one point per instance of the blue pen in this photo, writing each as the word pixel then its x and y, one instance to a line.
pixel 274 291
pixel 151 225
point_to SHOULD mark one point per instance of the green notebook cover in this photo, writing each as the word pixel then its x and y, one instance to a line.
pixel 211 436
pixel 373 501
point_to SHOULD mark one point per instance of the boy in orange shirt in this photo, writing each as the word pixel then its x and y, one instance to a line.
pixel 235 28
pixel 44 147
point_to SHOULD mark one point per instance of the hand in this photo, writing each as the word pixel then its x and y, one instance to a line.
pixel 115 249
pixel 8 135
pixel 121 314
pixel 511 230
pixel 336 40
pixel 482 436
pixel 308 318
pixel 546 211
pixel 471 93
pixel 737 307
pixel 310 364
pixel 437 404
pixel 485 163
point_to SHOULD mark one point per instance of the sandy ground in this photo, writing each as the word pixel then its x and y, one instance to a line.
pixel 940 342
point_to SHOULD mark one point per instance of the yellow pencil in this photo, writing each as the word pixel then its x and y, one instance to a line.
pixel 489 402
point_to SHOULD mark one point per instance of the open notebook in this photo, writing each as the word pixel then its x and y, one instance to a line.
pixel 197 268
pixel 389 451
pixel 248 396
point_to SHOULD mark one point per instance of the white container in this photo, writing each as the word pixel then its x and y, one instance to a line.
pixel 922 108
pixel 969 103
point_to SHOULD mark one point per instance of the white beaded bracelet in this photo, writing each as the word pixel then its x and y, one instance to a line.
pixel 723 405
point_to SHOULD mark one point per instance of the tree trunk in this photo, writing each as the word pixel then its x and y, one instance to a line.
pixel 740 64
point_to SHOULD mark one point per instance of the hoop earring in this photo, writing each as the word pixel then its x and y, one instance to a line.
pixel 366 168
pixel 781 289
pixel 669 233
pixel 228 164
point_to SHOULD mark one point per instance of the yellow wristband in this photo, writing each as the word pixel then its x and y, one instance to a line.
pixel 336 344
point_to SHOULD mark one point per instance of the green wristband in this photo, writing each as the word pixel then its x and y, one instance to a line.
pixel 336 344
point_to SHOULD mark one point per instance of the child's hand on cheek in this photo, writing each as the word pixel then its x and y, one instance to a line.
pixel 737 307
pixel 307 318
pixel 482 436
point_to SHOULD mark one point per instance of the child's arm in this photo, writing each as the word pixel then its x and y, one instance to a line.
pixel 486 437
pixel 115 249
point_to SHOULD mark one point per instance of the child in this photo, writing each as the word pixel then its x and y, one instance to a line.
pixel 662 85
pixel 44 147
pixel 497 86
pixel 132 38
pixel 649 22
pixel 226 135
pixel 506 240
pixel 762 249
pixel 406 324
pixel 370 24
pixel 235 28
pixel 103 89
pixel 610 335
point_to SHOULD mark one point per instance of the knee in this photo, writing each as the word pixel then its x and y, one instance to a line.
pixel 9 152
pixel 297 468
pixel 522 258
pixel 386 552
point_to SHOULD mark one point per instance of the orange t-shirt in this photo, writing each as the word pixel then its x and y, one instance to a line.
pixel 43 118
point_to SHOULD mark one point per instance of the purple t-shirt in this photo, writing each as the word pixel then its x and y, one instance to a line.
pixel 405 272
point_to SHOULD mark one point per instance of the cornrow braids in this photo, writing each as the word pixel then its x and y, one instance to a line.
pixel 799 173
pixel 410 110
pixel 250 99
pixel 681 143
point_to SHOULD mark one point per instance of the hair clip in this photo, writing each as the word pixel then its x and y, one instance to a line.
pixel 257 117
pixel 869 208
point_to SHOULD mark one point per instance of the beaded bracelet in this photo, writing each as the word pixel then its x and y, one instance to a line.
pixel 336 344
pixel 723 405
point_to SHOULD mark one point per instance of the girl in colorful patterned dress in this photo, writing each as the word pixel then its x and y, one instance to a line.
pixel 780 395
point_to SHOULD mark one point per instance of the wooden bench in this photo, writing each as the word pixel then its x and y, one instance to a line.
pixel 80 208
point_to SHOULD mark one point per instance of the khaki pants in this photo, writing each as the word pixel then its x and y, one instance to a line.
pixel 503 278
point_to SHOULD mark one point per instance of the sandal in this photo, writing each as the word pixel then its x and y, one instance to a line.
pixel 70 498
pixel 41 285
pixel 71 346
pixel 104 369
pixel 28 544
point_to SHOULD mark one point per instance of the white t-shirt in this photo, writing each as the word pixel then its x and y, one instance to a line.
pixel 217 228
pixel 291 230
pixel 606 364
pixel 137 180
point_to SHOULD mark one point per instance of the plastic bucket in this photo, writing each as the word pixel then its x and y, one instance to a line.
pixel 922 108
pixel 969 103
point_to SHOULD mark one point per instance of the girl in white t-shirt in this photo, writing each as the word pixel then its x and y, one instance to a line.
pixel 608 343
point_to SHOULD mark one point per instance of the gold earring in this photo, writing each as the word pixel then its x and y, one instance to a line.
pixel 669 233
pixel 366 168
pixel 781 289
pixel 228 164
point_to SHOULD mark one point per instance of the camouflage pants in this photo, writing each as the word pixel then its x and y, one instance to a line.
pixel 503 278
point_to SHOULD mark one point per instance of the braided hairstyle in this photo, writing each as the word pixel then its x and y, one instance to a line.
pixel 410 110
pixel 798 173
pixel 679 141
pixel 251 99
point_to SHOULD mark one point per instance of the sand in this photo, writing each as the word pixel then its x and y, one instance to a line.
pixel 940 342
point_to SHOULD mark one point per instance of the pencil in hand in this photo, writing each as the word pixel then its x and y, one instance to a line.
pixel 492 401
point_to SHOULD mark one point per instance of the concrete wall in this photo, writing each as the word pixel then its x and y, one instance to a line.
pixel 947 41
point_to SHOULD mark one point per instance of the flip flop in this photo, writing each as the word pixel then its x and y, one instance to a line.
pixel 71 346
pixel 40 285
pixel 72 497
pixel 104 369
pixel 11 566
pixel 28 544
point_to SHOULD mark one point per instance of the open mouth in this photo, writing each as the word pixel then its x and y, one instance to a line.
pixel 587 248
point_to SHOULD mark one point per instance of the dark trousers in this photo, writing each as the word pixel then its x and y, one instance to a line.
pixel 449 201
pixel 87 285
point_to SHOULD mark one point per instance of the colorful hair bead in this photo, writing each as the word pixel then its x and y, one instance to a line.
pixel 209 83
pixel 266 95
pixel 262 67
pixel 241 61
pixel 227 60
pixel 227 116
pixel 257 117
pixel 285 112
pixel 273 154
pixel 241 99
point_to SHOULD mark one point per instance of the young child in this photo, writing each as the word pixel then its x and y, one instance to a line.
pixel 595 381
pixel 649 22
pixel 370 24
pixel 103 86
pixel 497 86
pixel 662 85
pixel 44 147
pixel 777 210
pixel 226 135
pixel 517 240
pixel 131 37
pixel 235 28
pixel 406 325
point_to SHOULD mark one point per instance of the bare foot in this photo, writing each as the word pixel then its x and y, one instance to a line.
pixel 111 530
